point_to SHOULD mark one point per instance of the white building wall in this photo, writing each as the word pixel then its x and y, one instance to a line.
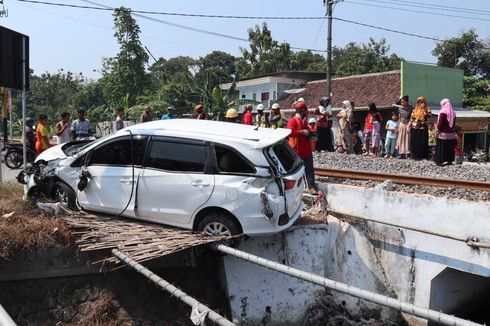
pixel 385 259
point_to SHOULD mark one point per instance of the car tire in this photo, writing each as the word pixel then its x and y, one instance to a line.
pixel 13 160
pixel 64 194
pixel 219 224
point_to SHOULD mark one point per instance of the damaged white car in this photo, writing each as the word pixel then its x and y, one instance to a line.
pixel 216 177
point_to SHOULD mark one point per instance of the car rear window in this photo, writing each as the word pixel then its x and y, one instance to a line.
pixel 287 156
pixel 178 157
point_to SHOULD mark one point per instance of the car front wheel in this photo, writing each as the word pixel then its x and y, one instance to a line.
pixel 64 194
pixel 216 224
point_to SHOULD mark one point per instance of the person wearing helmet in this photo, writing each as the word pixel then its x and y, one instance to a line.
pixel 312 137
pixel 298 140
pixel 261 118
pixel 324 126
pixel 29 136
pixel 200 115
pixel 275 118
pixel 247 116
pixel 231 115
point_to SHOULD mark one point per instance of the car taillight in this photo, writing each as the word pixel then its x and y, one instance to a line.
pixel 289 184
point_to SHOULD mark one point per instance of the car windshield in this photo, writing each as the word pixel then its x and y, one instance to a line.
pixel 287 156
pixel 73 148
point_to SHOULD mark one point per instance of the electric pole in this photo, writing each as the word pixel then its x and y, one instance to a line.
pixel 329 4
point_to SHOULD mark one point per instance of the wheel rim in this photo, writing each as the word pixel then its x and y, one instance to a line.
pixel 61 195
pixel 217 229
pixel 13 160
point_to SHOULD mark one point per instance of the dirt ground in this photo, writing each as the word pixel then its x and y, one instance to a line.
pixel 24 228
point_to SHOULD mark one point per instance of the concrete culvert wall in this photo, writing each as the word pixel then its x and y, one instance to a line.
pixel 122 298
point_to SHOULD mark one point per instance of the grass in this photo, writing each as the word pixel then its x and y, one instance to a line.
pixel 24 228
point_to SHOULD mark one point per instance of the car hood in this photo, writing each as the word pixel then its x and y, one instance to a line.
pixel 52 153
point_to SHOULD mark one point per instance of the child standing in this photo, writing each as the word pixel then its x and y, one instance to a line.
pixel 391 135
pixel 376 135
pixel 458 150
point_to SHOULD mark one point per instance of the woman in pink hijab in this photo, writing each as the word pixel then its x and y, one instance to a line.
pixel 446 139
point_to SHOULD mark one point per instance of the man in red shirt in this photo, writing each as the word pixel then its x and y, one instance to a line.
pixel 247 117
pixel 298 140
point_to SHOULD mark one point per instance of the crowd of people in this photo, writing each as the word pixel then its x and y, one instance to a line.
pixel 410 133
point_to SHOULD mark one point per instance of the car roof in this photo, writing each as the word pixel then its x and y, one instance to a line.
pixel 207 130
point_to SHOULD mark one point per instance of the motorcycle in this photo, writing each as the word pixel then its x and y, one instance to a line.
pixel 13 155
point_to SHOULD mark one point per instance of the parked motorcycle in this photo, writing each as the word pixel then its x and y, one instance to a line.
pixel 13 156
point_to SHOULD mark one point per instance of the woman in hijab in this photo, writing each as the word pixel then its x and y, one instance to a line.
pixel 446 140
pixel 346 118
pixel 419 130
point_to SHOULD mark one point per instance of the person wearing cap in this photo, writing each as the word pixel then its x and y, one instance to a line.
pixel 298 140
pixel 247 116
pixel 324 126
pixel 275 118
pixel 146 115
pixel 313 133
pixel 200 115
pixel 261 118
pixel 231 115
pixel 170 114
pixel 404 113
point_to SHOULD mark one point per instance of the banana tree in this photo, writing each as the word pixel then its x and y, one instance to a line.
pixel 214 99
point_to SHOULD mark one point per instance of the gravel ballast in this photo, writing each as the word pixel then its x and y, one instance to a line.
pixel 467 171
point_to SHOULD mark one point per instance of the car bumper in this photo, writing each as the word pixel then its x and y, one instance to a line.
pixel 260 226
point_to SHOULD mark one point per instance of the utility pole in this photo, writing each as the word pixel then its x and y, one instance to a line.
pixel 329 4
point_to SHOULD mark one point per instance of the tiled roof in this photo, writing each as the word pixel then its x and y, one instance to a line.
pixel 381 88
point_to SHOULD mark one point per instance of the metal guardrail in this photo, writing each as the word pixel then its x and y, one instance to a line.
pixel 409 308
pixel 164 285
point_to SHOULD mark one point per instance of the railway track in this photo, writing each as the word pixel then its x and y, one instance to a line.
pixel 402 179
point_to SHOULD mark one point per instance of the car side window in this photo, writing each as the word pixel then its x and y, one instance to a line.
pixel 230 161
pixel 119 152
pixel 176 157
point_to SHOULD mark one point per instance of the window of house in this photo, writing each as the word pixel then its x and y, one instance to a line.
pixel 178 157
pixel 264 96
pixel 244 95
pixel 230 161
pixel 119 152
pixel 254 97
pixel 274 95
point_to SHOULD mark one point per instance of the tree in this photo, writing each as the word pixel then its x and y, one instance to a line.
pixel 464 52
pixel 308 61
pixel 125 73
pixel 476 93
pixel 265 55
pixel 357 59
pixel 216 68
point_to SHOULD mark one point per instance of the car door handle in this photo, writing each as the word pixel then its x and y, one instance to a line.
pixel 126 180
pixel 199 184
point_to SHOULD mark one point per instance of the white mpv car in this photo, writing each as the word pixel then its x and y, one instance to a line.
pixel 216 177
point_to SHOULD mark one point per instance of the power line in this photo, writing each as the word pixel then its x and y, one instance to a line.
pixel 179 14
pixel 431 7
pixel 397 32
pixel 442 6
pixel 413 10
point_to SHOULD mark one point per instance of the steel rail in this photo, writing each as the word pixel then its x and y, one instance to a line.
pixel 181 295
pixel 409 308
pixel 402 179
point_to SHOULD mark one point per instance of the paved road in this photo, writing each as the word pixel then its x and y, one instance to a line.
pixel 9 174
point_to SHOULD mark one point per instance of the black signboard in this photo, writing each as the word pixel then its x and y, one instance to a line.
pixel 11 59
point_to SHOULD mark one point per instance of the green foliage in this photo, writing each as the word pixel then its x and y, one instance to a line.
pixel 125 73
pixel 464 52
pixel 356 59
pixel 475 94
pixel 89 96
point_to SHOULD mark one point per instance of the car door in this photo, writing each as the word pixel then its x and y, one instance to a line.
pixel 110 184
pixel 173 183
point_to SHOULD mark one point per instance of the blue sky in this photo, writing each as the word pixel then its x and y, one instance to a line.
pixel 77 40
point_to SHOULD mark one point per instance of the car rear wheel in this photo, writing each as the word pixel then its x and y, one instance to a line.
pixel 64 194
pixel 218 224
